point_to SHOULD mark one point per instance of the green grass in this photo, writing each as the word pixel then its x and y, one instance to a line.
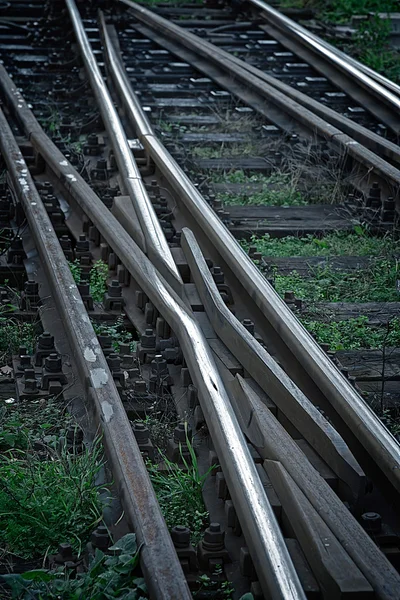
pixel 267 197
pixel 45 502
pixel 358 243
pixel 277 190
pixel 179 493
pixel 375 284
pixel 25 424
pixel 239 176
pixel 353 334
pixel 226 151
pixel 15 333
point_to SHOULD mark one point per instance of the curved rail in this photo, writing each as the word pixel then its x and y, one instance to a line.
pixel 319 44
pixel 382 447
pixel 161 566
pixel 156 245
pixel 271 558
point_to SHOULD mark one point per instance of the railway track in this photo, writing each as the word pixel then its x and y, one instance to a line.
pixel 138 169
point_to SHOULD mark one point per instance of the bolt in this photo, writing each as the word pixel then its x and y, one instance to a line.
pixel 372 522
pixel 180 536
pixel 52 363
pixel 180 433
pixel 141 432
pixel 45 341
pixel 114 289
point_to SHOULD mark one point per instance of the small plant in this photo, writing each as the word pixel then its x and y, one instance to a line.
pixel 15 333
pixel 392 422
pixel 76 270
pixel 107 577
pixel 117 332
pixel 22 425
pixel 358 243
pixel 217 589
pixel 43 502
pixel 377 283
pixel 98 280
pixel 179 493
pixel 353 334
pixel 267 197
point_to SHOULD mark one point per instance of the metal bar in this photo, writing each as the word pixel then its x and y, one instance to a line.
pixel 160 564
pixel 270 376
pixel 257 80
pixel 273 442
pixel 359 417
pixel 342 60
pixel 156 245
pixel 271 558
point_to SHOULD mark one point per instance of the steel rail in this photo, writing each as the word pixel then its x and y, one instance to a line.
pixel 156 245
pixel 270 555
pixel 381 93
pixel 379 443
pixel 257 80
pixel 160 564
pixel 364 136
pixel 319 44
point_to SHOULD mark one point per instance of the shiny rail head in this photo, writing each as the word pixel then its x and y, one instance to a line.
pixel 156 243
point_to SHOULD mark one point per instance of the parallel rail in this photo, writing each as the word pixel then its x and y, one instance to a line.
pixel 383 89
pixel 346 403
pixel 160 564
pixel 231 408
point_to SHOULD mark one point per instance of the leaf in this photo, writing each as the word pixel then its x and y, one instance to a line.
pixel 247 596
pixel 359 230
pixel 126 544
pixel 38 575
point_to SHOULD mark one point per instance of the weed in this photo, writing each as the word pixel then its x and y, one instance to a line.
pixel 117 332
pixel 107 577
pixel 239 176
pixel 97 277
pixel 23 425
pixel 15 333
pixel 220 590
pixel 377 283
pixel 226 151
pixel 354 333
pixel 283 196
pixel 44 502
pixel 358 243
pixel 392 422
pixel 76 270
pixel 161 427
pixel 98 280
pixel 179 493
